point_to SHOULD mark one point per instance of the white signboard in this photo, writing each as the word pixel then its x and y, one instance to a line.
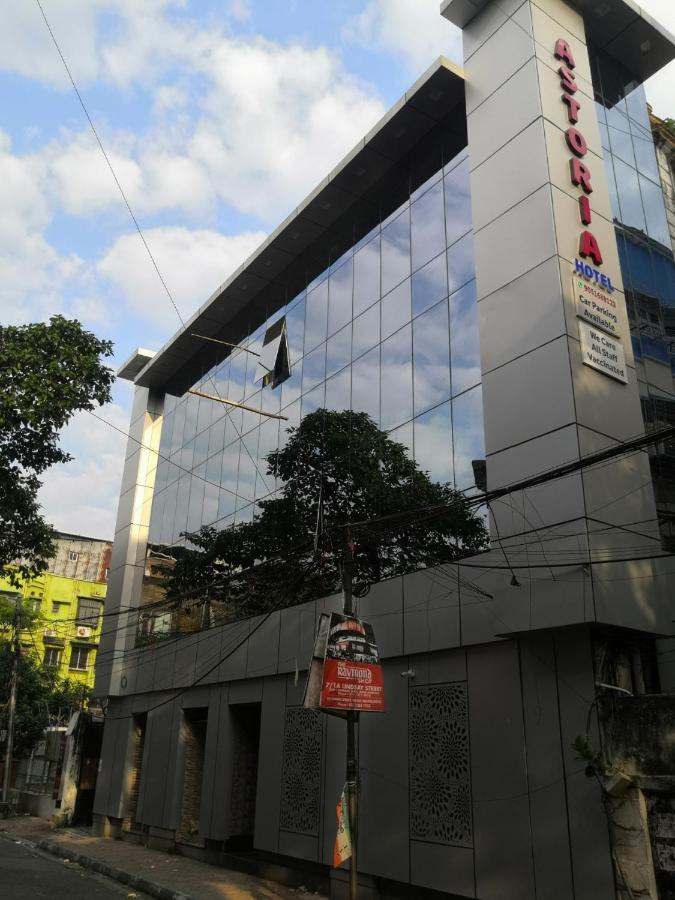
pixel 602 352
pixel 595 306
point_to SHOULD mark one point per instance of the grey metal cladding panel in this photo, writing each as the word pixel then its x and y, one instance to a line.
pixel 263 645
pixel 440 667
pixel 498 774
pixel 247 690
pixel 173 780
pixel 296 636
pixel 208 654
pixel 334 779
pixel 548 808
pixel 145 671
pixel 382 607
pixel 384 802
pixel 442 868
pixel 166 665
pixel 506 51
pixel 431 610
pixel 109 760
pixel 528 397
pixel 211 761
pixel 301 846
pixel 155 773
pixel 221 768
pixel 233 651
pixel 270 763
pixel 589 839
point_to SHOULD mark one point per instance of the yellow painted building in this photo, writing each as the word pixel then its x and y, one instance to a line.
pixel 66 610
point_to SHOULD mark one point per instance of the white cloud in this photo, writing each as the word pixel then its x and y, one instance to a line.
pixel 412 29
pixel 193 263
pixel 81 496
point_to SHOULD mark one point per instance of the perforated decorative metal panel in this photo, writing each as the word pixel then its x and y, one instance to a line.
pixel 440 786
pixel 301 774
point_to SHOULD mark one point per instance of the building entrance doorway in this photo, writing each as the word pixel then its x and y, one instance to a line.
pixel 246 743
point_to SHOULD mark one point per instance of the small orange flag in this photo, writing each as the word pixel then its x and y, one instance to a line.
pixel 342 849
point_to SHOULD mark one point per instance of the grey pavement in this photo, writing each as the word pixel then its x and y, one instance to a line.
pixel 29 875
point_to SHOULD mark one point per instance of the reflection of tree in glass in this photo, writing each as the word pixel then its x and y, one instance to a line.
pixel 342 461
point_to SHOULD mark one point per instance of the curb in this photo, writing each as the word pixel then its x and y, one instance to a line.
pixel 152 888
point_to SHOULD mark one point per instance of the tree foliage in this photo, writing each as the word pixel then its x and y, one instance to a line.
pixel 43 698
pixel 48 372
pixel 336 467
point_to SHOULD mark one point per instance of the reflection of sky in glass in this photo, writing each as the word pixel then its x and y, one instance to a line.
pixel 352 345
pixel 655 213
pixel 630 202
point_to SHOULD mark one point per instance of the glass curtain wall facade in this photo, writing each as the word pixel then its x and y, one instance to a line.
pixel 646 259
pixel 389 328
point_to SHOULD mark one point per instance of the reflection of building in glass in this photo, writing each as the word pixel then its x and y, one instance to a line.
pixel 429 282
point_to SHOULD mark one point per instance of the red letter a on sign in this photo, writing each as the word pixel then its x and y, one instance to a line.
pixel 563 51
pixel 588 247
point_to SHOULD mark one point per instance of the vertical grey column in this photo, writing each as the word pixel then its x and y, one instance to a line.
pixel 542 406
pixel 127 564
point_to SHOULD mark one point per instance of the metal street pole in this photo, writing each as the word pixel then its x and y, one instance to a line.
pixel 352 726
pixel 12 704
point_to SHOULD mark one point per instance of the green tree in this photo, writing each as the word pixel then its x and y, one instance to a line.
pixel 48 372
pixel 337 467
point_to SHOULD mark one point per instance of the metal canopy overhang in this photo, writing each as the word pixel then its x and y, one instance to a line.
pixel 176 366
pixel 619 27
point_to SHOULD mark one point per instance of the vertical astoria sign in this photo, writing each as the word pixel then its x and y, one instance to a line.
pixel 601 347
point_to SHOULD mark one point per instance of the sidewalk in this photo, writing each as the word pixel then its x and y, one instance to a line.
pixel 162 875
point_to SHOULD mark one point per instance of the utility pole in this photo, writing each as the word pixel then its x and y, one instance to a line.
pixel 352 725
pixel 12 703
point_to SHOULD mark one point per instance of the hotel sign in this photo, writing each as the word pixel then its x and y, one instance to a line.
pixel 595 307
pixel 602 352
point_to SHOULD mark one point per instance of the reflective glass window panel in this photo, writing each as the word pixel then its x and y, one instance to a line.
pixel 433 443
pixel 456 160
pixel 429 285
pixel 424 187
pixel 366 331
pixel 464 340
pixel 316 316
pixel 238 361
pixel 210 509
pixel 227 499
pixel 395 309
pixel 291 388
pixel 645 155
pixel 196 502
pixel 295 330
pixel 167 431
pixel 611 187
pixel 249 419
pixel 268 442
pixel 366 385
pixel 468 437
pixel 396 251
pixel 431 358
pixel 427 223
pixel 205 411
pixel 338 390
pixel 619 134
pixel 182 501
pixel 313 400
pixel 338 351
pixel 158 503
pixel 178 428
pixel 191 413
pixel 636 106
pixel 655 212
pixel 396 379
pixel 313 368
pixel 292 414
pixel 255 345
pixel 201 447
pixel 457 202
pixel 214 464
pixel 247 471
pixel 340 285
pixel 404 435
pixel 162 476
pixel 460 263
pixel 187 456
pixel 602 125
pixel 166 532
pixel 366 275
pixel 630 201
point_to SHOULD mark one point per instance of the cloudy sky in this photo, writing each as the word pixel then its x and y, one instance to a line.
pixel 218 118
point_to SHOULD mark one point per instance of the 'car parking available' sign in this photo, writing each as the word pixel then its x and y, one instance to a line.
pixel 345 673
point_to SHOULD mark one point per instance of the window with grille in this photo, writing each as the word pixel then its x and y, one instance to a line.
pixel 88 612
pixel 52 657
pixel 78 658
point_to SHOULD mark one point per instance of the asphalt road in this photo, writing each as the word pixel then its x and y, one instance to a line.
pixel 29 875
